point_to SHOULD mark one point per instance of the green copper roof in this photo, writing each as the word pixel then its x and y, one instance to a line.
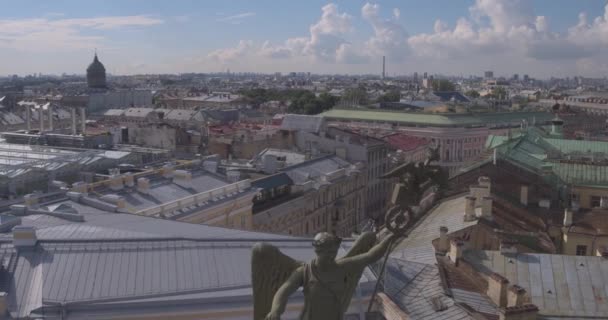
pixel 536 153
pixel 446 120
pixel 582 146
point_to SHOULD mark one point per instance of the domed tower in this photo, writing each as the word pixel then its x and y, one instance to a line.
pixel 96 74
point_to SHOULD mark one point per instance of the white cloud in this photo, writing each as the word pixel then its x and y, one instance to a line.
pixel 396 13
pixel 232 54
pixel 41 34
pixel 389 39
pixel 237 18
pixel 326 42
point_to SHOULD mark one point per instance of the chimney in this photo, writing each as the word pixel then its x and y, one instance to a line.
pixel 516 296
pixel 24 237
pixel 143 185
pixel 167 171
pixel 3 305
pixel 604 202
pixel 115 182
pixel 183 175
pixel 486 208
pixel 523 194
pixel 479 192
pixel 469 208
pixel 456 247
pixel 568 217
pixel 129 179
pixel 497 289
pixel 30 200
pixel 485 182
pixel 80 187
pixel 524 312
pixel 508 247
pixel 444 242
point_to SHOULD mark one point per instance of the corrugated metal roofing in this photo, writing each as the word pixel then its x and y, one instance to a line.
pixel 418 245
pixel 98 272
pixel 560 285
pixel 413 286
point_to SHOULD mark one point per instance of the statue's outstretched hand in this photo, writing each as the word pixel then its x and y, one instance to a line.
pixel 273 316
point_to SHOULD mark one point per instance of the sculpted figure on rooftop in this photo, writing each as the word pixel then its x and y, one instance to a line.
pixel 328 282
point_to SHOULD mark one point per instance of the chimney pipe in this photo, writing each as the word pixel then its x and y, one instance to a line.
pixel 143 185
pixel 456 247
pixel 516 296
pixel 469 208
pixel 497 289
pixel 444 242
pixel 568 217
pixel 486 208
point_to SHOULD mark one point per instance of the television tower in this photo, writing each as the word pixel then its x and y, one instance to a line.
pixel 383 67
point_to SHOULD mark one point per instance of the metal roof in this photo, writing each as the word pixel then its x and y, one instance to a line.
pixel 94 273
pixel 440 120
pixel 413 285
pixel 296 122
pixel 418 245
pixel 560 285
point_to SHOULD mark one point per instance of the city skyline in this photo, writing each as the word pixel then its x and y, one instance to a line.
pixel 540 38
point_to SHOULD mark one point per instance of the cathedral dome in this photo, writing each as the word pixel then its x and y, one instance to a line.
pixel 96 74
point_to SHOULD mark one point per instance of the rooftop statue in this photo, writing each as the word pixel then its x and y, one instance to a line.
pixel 417 177
pixel 328 283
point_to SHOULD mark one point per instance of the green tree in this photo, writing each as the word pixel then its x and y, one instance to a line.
pixel 443 85
pixel 356 95
pixel 499 93
pixel 472 94
pixel 391 96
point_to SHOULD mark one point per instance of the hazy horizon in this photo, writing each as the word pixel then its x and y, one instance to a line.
pixel 542 38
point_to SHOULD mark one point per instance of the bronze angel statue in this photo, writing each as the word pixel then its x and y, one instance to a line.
pixel 416 177
pixel 328 283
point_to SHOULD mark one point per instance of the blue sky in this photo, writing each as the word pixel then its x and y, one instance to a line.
pixel 540 37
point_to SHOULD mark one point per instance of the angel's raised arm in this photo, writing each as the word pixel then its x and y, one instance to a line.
pixel 369 257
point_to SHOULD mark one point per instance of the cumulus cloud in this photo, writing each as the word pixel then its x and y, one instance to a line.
pixel 389 39
pixel 64 34
pixel 327 40
pixel 243 48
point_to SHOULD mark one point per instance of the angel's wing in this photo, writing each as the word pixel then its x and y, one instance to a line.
pixel 362 245
pixel 269 270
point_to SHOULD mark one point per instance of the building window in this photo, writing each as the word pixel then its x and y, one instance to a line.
pixel 595 201
pixel 243 222
pixel 581 250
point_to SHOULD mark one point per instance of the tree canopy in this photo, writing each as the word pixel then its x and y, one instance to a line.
pixel 443 85
pixel 472 94
pixel 302 101
pixel 391 96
